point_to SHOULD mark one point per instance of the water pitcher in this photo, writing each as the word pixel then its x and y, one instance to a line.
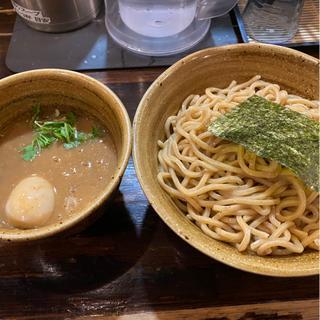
pixel 161 27
pixel 272 21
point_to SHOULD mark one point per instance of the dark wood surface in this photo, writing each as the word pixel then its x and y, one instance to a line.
pixel 129 265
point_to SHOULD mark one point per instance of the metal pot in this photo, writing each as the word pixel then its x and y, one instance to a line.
pixel 57 15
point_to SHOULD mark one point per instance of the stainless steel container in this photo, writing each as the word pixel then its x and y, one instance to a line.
pixel 57 15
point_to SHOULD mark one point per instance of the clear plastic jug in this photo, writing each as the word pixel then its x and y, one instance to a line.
pixel 162 27
pixel 272 21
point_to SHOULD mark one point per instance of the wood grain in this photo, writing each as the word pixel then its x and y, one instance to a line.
pixel 306 310
pixel 128 261
pixel 129 265
pixel 7 17
pixel 274 311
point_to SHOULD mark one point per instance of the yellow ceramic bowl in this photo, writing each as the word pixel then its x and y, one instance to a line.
pixel 62 87
pixel 292 70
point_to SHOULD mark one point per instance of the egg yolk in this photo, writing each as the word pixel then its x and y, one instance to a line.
pixel 31 203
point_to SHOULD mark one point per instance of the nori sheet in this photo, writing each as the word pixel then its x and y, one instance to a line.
pixel 274 132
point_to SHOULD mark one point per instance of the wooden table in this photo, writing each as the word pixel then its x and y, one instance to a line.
pixel 129 264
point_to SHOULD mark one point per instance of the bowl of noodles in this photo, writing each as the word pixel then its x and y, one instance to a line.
pixel 241 209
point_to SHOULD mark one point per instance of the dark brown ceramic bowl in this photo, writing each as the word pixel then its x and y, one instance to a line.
pixel 75 90
pixel 294 71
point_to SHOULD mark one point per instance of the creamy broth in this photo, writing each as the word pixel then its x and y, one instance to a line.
pixel 77 175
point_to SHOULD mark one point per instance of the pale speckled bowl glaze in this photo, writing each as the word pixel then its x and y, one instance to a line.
pixel 57 87
pixel 294 71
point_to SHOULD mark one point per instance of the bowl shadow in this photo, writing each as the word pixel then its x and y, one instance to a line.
pixel 176 276
pixel 82 262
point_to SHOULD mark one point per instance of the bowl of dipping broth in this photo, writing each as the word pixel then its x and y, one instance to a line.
pixel 65 143
pixel 241 208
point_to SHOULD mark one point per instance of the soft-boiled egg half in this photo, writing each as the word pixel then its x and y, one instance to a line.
pixel 30 203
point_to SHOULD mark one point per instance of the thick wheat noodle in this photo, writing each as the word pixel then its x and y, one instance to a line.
pixel 231 194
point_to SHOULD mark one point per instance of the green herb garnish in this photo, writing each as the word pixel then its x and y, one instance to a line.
pixel 48 132
pixel 274 132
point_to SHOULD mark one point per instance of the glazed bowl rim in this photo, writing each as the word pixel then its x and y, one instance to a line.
pixel 186 235
pixel 106 94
